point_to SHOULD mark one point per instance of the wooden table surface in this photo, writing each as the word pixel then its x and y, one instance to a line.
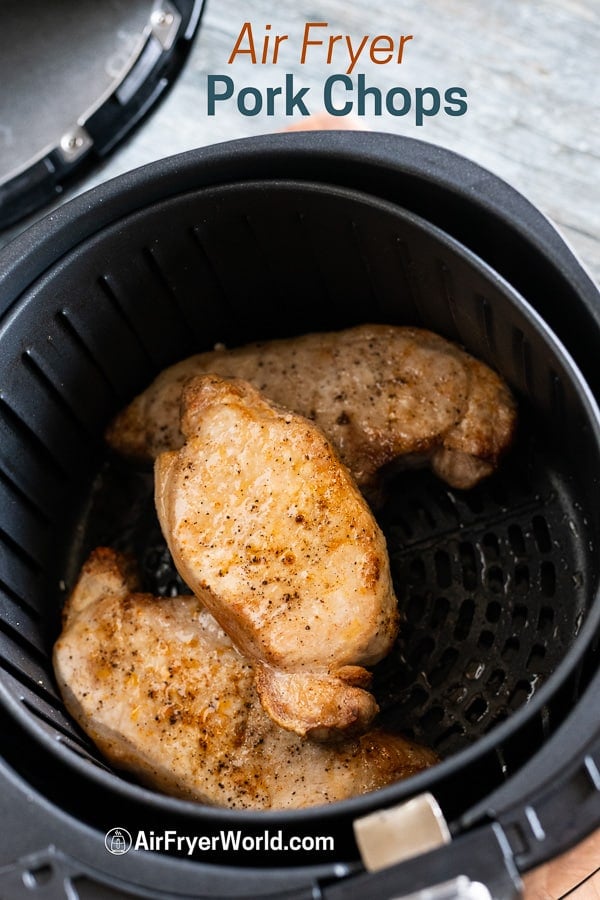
pixel 575 874
pixel 532 74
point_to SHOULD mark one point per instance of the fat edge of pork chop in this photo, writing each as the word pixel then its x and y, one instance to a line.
pixel 267 527
pixel 164 694
pixel 381 393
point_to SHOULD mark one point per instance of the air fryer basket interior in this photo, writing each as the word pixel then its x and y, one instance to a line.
pixel 495 584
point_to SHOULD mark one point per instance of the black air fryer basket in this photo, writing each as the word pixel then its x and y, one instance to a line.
pixel 496 665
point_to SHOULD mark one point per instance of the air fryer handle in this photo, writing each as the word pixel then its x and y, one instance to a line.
pixel 486 862
pixel 550 805
pixel 479 864
pixel 475 866
pixel 558 816
pixel 553 802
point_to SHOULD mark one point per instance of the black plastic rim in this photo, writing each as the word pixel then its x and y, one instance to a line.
pixel 462 759
pixel 152 73
pixel 381 163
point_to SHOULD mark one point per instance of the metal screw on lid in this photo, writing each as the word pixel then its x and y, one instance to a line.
pixel 164 23
pixel 74 143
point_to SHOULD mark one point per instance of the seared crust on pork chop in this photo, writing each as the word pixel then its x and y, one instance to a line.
pixel 267 527
pixel 162 691
pixel 380 393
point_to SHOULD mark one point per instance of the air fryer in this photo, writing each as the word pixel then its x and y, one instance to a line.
pixel 60 125
pixel 496 664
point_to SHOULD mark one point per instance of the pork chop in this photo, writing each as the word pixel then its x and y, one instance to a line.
pixel 380 393
pixel 267 527
pixel 164 694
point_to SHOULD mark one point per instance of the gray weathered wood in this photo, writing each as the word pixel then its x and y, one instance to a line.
pixel 531 69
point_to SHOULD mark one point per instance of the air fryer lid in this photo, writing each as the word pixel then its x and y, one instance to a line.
pixel 80 76
pixel 215 265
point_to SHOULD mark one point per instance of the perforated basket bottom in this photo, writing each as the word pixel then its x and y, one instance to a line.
pixel 491 583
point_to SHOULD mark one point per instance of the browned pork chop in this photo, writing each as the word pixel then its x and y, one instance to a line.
pixel 267 527
pixel 164 694
pixel 380 393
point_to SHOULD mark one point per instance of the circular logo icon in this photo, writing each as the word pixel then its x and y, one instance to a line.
pixel 118 841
